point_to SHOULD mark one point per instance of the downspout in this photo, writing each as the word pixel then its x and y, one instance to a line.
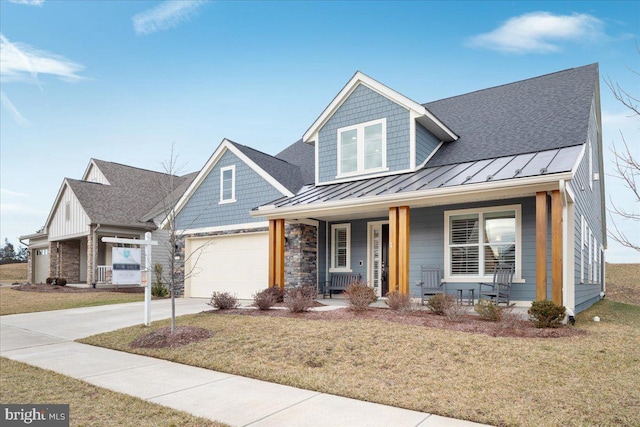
pixel 94 256
pixel 566 261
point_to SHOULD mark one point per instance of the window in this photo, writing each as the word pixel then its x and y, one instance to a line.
pixel 228 184
pixel 583 228
pixel 67 211
pixel 477 240
pixel 362 148
pixel 590 164
pixel 340 247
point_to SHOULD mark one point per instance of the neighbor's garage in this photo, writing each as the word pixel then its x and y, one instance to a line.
pixel 234 263
pixel 40 265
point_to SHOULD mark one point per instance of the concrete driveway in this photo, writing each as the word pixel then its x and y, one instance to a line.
pixel 46 340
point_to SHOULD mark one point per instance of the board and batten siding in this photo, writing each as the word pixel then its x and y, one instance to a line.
pixel 203 209
pixel 94 174
pixel 361 106
pixel 75 222
pixel 588 205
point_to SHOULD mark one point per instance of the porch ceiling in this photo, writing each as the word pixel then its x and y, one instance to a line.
pixel 507 172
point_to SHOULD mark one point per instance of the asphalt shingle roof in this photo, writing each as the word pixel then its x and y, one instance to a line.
pixel 541 113
pixel 302 155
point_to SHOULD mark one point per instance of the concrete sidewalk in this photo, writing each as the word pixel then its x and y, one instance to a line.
pixel 46 340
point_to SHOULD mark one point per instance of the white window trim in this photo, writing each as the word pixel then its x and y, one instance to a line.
pixel 232 168
pixel 360 170
pixel 488 276
pixel 590 179
pixel 346 269
pixel 582 244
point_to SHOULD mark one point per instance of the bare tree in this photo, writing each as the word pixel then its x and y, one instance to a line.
pixel 180 265
pixel 626 167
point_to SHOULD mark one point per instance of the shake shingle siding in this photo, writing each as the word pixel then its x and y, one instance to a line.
pixel 361 106
pixel 204 209
pixel 426 142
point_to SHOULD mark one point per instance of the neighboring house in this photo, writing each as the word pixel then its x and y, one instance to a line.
pixel 510 174
pixel 111 200
pixel 222 246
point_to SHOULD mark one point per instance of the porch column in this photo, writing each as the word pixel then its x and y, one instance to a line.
pixel 393 250
pixel 276 253
pixel 556 247
pixel 403 249
pixel 541 245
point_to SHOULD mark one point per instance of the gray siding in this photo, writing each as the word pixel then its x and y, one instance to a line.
pixel 588 203
pixel 361 106
pixel 426 142
pixel 322 249
pixel 203 208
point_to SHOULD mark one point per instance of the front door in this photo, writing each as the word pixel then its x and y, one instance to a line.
pixel 378 256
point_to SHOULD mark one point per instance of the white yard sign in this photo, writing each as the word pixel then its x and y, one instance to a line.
pixel 126 266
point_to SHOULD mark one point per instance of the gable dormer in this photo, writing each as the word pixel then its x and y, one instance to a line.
pixel 94 174
pixel 371 130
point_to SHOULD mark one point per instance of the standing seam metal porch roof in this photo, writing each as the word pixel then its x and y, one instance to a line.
pixel 506 168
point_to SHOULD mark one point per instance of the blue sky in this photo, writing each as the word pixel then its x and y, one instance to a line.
pixel 124 80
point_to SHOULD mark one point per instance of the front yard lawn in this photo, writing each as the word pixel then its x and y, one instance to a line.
pixel 583 380
pixel 13 301
pixel 88 405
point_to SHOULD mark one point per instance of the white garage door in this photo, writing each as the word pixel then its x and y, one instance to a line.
pixel 237 263
pixel 40 265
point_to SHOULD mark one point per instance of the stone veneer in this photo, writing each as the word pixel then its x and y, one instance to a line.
pixel 301 255
pixel 64 260
pixel 53 259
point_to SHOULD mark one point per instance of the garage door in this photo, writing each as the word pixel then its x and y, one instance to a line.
pixel 237 263
pixel 40 265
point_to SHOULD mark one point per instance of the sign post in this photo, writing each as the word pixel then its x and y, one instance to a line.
pixel 127 270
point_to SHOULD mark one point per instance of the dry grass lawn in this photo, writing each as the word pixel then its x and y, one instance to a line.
pixel 585 380
pixel 623 283
pixel 14 302
pixel 89 405
pixel 13 273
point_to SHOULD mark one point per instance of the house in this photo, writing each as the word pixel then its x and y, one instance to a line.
pixel 222 246
pixel 111 200
pixel 509 174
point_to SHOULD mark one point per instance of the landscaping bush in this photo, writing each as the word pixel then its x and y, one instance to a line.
pixel 488 310
pixel 223 301
pixel 440 303
pixel 158 289
pixel 546 314
pixel 265 299
pixel 509 319
pixel 61 281
pixel 399 302
pixel 455 312
pixel 360 295
pixel 300 298
pixel 277 292
pixel 50 280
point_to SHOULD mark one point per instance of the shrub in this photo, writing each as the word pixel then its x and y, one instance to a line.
pixel 488 310
pixel 223 301
pixel 455 312
pixel 360 295
pixel 61 281
pixel 398 301
pixel 546 314
pixel 277 292
pixel 300 298
pixel 265 299
pixel 50 280
pixel 158 289
pixel 439 303
pixel 509 319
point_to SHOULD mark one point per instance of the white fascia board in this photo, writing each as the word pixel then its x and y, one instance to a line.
pixel 432 197
pixel 208 167
pixel 56 202
pixel 86 171
pixel 423 164
pixel 232 227
pixel 361 78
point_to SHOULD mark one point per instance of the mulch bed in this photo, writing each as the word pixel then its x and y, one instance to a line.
pixel 466 323
pixel 70 289
pixel 163 338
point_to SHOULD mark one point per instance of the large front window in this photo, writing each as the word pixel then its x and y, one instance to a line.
pixel 362 148
pixel 478 240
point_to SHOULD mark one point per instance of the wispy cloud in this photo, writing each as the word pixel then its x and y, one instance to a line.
pixel 7 192
pixel 28 2
pixel 539 32
pixel 19 61
pixel 13 112
pixel 166 15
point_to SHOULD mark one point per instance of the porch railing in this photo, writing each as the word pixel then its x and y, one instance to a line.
pixel 103 274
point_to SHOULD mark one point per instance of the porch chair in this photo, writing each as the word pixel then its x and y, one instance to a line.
pixel 431 282
pixel 500 290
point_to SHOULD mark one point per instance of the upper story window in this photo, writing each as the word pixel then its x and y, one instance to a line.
pixel 228 184
pixel 362 148
pixel 479 239
pixel 67 211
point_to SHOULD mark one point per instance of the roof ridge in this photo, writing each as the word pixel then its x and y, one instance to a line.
pixel 509 84
pixel 138 168
pixel 260 152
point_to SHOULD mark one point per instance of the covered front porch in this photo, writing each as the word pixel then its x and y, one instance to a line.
pixel 388 245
